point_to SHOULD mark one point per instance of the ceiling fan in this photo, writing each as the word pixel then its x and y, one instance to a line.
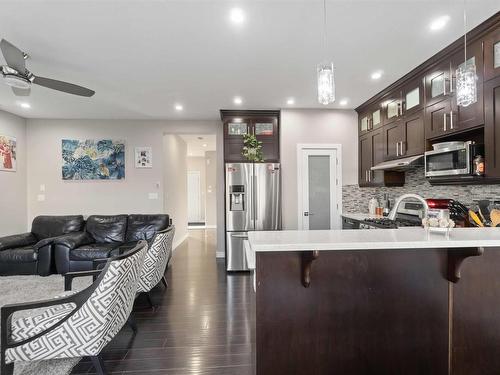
pixel 20 79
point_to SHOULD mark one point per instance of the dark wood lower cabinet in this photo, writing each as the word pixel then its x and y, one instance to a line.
pixel 378 312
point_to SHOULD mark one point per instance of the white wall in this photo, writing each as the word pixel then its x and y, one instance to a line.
pixel 315 126
pixel 211 182
pixel 109 197
pixel 175 182
pixel 197 164
pixel 13 184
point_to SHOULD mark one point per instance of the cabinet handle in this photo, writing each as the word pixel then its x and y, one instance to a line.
pixel 444 121
pixel 369 175
pixel 397 148
pixel 403 152
pixel 451 81
pixel 451 120
pixel 366 175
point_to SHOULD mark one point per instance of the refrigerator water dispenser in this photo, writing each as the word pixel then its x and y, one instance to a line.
pixel 237 198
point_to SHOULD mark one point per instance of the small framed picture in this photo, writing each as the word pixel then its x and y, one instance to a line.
pixel 143 157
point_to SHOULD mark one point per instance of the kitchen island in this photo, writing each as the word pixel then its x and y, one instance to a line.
pixel 392 301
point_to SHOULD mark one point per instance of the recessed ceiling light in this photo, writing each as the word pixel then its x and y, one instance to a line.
pixel 237 16
pixel 343 102
pixel 204 145
pixel 24 105
pixel 290 101
pixel 439 23
pixel 237 100
pixel 377 74
pixel 179 107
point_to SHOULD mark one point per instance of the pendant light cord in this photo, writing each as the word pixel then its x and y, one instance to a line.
pixel 325 32
pixel 465 34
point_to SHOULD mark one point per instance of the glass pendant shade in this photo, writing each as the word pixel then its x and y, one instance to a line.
pixel 466 84
pixel 326 83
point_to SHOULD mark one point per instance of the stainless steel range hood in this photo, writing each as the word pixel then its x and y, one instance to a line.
pixel 400 164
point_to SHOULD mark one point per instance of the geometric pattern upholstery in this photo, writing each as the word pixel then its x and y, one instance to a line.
pixel 156 260
pixel 24 328
pixel 86 330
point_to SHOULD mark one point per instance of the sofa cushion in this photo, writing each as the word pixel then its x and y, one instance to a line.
pixel 19 255
pixel 144 227
pixel 53 226
pixel 92 251
pixel 107 228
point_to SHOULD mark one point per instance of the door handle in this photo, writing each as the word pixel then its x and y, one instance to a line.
pixel 242 236
pixel 306 213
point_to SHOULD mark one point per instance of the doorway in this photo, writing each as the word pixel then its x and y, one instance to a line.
pixel 319 183
pixel 196 216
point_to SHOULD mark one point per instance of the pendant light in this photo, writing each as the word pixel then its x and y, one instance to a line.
pixel 466 75
pixel 325 72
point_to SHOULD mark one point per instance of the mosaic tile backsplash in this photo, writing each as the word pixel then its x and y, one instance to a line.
pixel 355 199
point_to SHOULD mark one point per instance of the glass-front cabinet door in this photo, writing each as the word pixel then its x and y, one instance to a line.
pixel 438 83
pixel 376 119
pixel 491 45
pixel 364 123
pixel 413 96
pixel 237 128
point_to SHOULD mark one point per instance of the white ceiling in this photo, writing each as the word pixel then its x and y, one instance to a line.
pixel 197 145
pixel 143 56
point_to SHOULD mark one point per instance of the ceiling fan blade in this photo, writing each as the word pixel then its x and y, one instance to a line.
pixel 21 92
pixel 63 86
pixel 14 56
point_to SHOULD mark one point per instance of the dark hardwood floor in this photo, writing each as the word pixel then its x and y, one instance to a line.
pixel 204 324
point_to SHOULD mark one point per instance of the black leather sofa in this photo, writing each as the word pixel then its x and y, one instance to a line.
pixel 104 236
pixel 31 253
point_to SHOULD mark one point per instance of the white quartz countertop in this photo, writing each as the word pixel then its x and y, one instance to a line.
pixel 372 239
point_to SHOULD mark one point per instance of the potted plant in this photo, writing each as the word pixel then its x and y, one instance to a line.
pixel 252 149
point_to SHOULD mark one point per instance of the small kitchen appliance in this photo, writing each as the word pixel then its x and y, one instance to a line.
pixel 452 159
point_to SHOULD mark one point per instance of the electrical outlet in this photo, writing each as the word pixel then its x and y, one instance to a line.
pixel 40 197
pixel 153 195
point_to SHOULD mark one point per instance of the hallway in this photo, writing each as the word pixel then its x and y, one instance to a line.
pixel 204 324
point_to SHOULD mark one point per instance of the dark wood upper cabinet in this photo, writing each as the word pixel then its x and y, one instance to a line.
pixel 491 47
pixel 393 107
pixel 413 142
pixel 438 119
pixel 263 124
pixel 404 137
pixel 413 96
pixel 365 159
pixel 370 120
pixel 438 83
pixel 492 127
pixel 393 135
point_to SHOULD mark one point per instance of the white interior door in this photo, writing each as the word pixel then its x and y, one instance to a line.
pixel 194 197
pixel 319 190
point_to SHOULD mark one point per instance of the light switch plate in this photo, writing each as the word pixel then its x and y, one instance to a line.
pixel 42 187
pixel 153 195
pixel 40 197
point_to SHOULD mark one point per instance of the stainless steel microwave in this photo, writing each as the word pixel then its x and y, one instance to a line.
pixel 454 160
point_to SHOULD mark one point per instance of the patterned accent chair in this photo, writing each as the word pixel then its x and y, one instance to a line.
pixel 79 325
pixel 156 262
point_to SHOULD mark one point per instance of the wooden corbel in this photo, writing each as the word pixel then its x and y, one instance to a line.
pixel 306 262
pixel 456 258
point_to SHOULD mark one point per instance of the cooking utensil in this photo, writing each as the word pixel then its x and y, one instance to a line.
pixel 495 217
pixel 484 209
pixel 476 218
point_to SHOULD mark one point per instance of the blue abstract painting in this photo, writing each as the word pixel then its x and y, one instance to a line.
pixel 93 159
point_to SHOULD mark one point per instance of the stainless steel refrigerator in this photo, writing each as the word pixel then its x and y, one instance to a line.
pixel 253 202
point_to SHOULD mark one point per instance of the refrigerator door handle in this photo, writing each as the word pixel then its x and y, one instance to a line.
pixel 256 189
pixel 244 236
pixel 251 202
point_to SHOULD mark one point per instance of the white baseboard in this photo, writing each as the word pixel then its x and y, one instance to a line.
pixel 220 254
pixel 179 241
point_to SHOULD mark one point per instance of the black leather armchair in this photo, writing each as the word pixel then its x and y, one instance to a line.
pixel 104 236
pixel 32 253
